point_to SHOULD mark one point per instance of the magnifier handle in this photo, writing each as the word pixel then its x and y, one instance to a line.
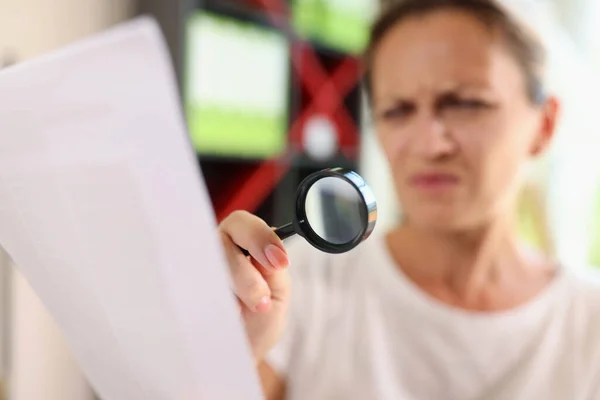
pixel 284 232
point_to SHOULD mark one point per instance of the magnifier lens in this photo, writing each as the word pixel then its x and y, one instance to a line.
pixel 335 211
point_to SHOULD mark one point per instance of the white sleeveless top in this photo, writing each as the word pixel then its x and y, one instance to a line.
pixel 360 330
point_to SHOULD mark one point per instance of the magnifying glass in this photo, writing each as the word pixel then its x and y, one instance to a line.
pixel 335 211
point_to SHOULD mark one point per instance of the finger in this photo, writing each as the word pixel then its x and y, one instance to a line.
pixel 278 281
pixel 249 285
pixel 254 235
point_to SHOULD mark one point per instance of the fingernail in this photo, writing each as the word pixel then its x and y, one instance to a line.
pixel 264 304
pixel 276 256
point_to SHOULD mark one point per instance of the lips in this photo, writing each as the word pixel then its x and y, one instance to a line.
pixel 434 180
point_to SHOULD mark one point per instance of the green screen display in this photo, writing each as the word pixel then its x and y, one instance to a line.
pixel 235 87
pixel 342 24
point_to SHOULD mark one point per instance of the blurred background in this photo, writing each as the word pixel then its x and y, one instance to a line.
pixel 271 91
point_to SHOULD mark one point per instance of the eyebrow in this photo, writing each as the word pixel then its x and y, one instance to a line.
pixel 461 87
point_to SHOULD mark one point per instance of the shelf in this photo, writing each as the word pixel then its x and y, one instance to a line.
pixel 242 187
pixel 295 159
pixel 275 20
pixel 301 160
pixel 326 87
pixel 231 159
pixel 258 186
pixel 276 7
pixel 323 48
pixel 322 80
pixel 278 19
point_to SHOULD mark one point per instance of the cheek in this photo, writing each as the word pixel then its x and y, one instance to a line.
pixel 388 143
pixel 393 141
pixel 496 159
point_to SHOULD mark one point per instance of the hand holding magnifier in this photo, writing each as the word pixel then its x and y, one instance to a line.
pixel 335 210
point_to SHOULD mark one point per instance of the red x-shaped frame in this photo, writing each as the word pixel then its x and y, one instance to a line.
pixel 327 91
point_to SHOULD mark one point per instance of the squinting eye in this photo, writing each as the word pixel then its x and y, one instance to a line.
pixel 466 103
pixel 396 113
pixel 472 104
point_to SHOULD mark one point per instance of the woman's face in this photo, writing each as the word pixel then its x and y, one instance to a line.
pixel 453 118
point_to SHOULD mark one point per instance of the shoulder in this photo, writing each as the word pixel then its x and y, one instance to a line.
pixel 585 285
pixel 584 311
pixel 583 292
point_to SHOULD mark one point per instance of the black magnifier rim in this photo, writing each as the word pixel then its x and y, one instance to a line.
pixel 369 217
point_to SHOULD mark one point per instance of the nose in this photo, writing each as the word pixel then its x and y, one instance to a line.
pixel 431 138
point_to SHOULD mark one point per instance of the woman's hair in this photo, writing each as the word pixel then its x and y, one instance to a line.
pixel 526 48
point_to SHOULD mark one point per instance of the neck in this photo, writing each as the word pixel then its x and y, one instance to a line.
pixel 467 262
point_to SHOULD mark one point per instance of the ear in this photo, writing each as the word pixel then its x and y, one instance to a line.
pixel 549 113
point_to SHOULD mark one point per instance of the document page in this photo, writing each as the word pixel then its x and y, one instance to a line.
pixel 105 212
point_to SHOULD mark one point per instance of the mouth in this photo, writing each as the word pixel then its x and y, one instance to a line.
pixel 434 181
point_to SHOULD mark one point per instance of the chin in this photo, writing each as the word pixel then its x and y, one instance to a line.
pixel 439 218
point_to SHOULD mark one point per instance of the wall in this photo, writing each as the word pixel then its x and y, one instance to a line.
pixel 40 365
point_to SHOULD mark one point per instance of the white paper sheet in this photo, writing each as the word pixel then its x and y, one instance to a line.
pixel 103 210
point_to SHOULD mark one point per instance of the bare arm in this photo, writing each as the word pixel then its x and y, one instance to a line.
pixel 273 385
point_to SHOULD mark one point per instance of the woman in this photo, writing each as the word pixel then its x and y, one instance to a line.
pixel 448 305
